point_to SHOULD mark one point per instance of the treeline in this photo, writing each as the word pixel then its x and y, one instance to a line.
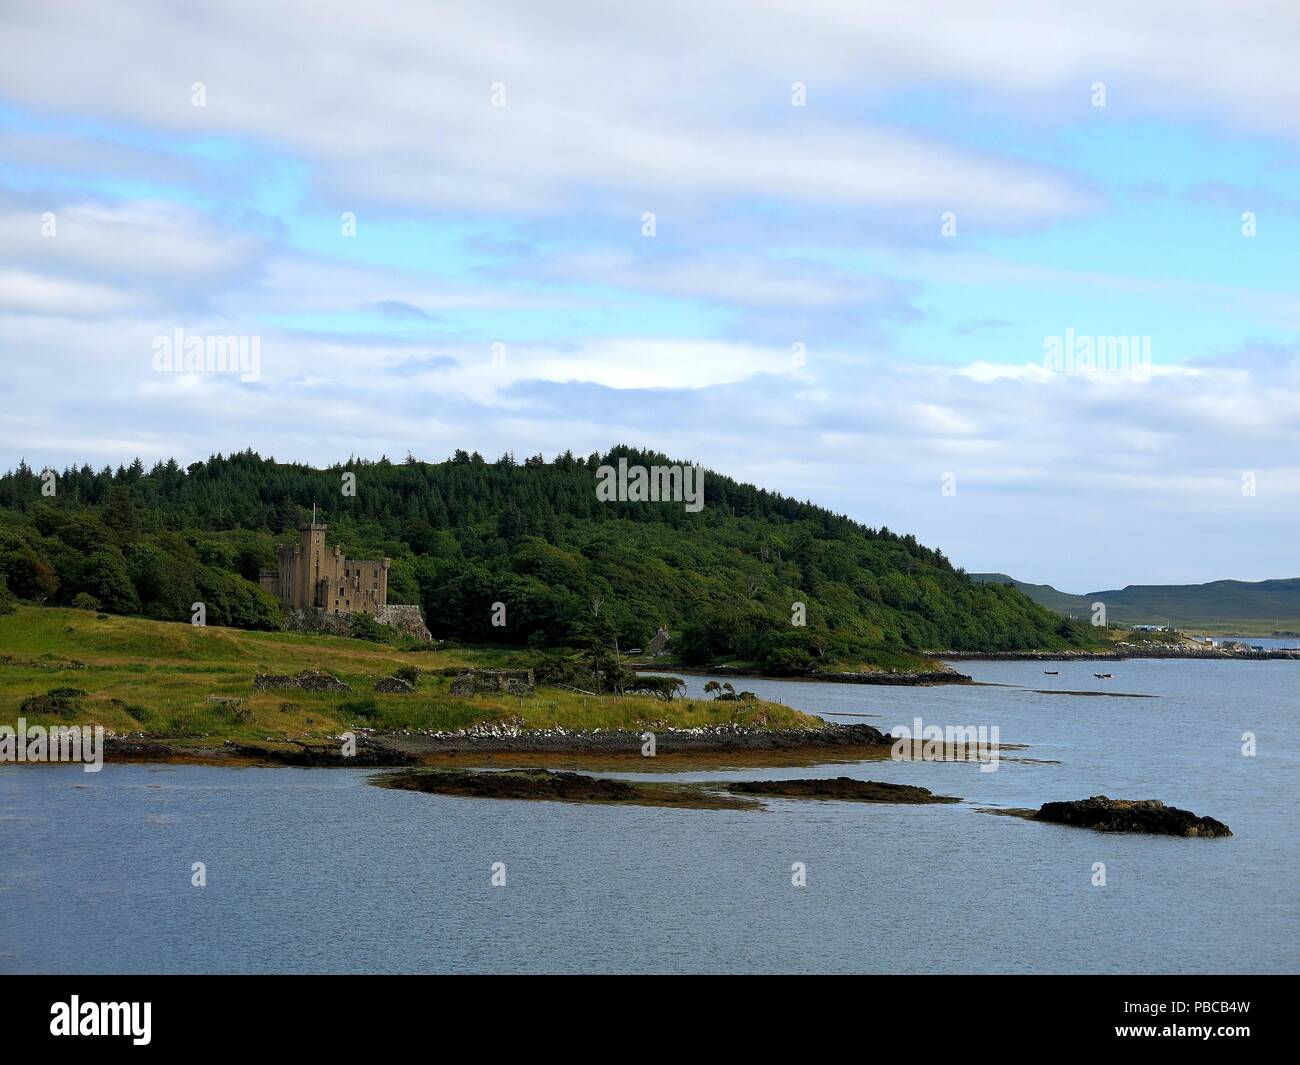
pixel 467 534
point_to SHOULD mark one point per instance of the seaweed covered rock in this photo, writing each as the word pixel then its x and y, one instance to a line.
pixel 845 789
pixel 1130 815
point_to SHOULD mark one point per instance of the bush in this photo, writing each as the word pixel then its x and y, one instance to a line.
pixel 363 708
pixel 57 705
pixel 85 601
pixel 364 627
pixel 660 687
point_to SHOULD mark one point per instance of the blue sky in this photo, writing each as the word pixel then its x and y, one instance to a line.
pixel 500 291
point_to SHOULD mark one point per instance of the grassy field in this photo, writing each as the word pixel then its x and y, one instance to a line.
pixel 157 678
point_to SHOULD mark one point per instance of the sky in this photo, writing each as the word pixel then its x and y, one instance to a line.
pixel 1018 278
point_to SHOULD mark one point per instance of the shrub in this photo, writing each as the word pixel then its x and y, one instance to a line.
pixel 660 687
pixel 58 705
pixel 363 708
pixel 364 627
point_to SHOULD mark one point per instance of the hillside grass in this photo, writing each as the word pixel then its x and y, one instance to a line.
pixel 155 678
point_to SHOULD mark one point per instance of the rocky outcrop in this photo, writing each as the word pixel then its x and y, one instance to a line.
pixel 407 619
pixel 551 786
pixel 318 622
pixel 1130 815
pixel 920 676
pixel 940 675
pixel 829 739
pixel 828 742
pixel 1029 656
pixel 318 755
pixel 309 680
pixel 394 686
pixel 1123 651
pixel 842 788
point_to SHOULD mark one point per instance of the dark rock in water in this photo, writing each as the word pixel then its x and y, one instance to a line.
pixel 525 784
pixel 554 786
pixel 843 788
pixel 1130 815
pixel 319 755
pixel 905 677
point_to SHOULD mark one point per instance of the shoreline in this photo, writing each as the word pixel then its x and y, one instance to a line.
pixel 925 678
pixel 495 744
pixel 922 678
pixel 1210 653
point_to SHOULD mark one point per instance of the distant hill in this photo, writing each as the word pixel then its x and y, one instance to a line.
pixel 1248 607
pixel 1043 594
pixel 752 576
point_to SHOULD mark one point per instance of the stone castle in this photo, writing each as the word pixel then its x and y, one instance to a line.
pixel 312 577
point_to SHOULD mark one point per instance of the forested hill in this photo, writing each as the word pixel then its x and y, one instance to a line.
pixel 467 533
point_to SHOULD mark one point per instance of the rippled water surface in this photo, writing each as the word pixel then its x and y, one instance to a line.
pixel 315 870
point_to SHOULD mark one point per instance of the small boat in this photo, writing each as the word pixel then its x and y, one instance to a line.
pixel 1103 676
pixel 1051 673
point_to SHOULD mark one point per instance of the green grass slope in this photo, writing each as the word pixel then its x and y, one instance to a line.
pixel 166 679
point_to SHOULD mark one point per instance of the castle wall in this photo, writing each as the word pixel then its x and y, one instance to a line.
pixel 312 576
pixel 358 585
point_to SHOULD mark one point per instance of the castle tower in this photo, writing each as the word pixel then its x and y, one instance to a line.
pixel 314 575
pixel 311 554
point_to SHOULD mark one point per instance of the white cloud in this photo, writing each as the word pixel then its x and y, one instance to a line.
pixel 644 108
pixel 1087 481
pixel 679 108
pixel 25 291
pixel 140 239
